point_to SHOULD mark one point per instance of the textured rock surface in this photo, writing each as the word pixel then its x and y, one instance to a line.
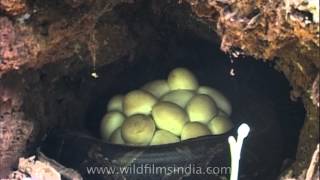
pixel 68 44
pixel 18 45
pixel 259 28
pixel 13 7
pixel 14 128
pixel 287 31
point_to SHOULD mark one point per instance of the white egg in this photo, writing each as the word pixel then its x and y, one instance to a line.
pixel 182 78
pixel 201 108
pixel 170 117
pixel 110 122
pixel 221 101
pixel 138 102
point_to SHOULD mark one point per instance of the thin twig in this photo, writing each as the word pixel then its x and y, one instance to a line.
pixel 313 164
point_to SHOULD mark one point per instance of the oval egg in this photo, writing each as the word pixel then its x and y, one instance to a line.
pixel 194 130
pixel 182 78
pixel 115 103
pixel 138 102
pixel 116 137
pixel 138 130
pixel 201 108
pixel 221 101
pixel 110 122
pixel 163 137
pixel 157 88
pixel 179 97
pixel 220 125
pixel 170 117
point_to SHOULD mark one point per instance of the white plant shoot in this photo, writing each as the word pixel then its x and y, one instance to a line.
pixel 235 149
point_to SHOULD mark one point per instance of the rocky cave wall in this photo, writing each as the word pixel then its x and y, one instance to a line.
pixel 60 38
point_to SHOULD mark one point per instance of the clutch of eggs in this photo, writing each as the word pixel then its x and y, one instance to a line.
pixel 166 111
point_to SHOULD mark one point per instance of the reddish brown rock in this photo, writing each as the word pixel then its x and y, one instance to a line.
pixel 13 7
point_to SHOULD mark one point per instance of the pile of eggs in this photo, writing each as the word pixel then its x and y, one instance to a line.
pixel 166 111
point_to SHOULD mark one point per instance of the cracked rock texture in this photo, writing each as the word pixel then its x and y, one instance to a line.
pixel 67 44
pixel 13 7
pixel 284 31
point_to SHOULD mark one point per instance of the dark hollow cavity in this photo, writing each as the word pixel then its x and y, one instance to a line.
pixel 258 93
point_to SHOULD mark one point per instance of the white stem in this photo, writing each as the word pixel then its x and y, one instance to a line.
pixel 235 149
